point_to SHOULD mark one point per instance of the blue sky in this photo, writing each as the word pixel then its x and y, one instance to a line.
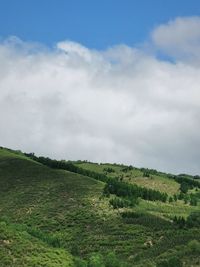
pixel 95 24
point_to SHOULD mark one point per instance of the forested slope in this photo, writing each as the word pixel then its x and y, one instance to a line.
pixel 50 216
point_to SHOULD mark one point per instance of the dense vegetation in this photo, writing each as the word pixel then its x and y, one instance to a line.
pixel 83 214
pixel 113 186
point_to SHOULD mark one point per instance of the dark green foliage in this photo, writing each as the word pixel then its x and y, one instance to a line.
pixel 146 174
pixel 186 199
pixel 194 247
pixel 181 196
pixel 149 171
pixel 193 219
pixel 123 203
pixel 145 219
pixel 99 260
pixel 128 168
pixel 96 260
pixel 193 201
pixel 80 263
pixel 175 197
pixel 179 221
pixel 162 263
pixel 191 183
pixel 106 191
pixel 109 170
pixel 172 262
pixel 114 187
pixel 49 239
pixel 184 187
pixel 69 166
pixel 175 262
pixel 122 189
pixel 111 260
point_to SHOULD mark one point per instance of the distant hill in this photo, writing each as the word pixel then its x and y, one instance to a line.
pixel 61 213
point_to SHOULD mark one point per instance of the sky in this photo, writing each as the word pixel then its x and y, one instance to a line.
pixel 93 23
pixel 105 81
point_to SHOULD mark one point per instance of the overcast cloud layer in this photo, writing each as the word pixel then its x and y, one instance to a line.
pixel 120 105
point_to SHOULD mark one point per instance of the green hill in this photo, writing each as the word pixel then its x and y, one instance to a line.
pixel 54 217
pixel 135 176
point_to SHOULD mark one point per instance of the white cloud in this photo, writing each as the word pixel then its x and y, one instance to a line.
pixel 118 105
pixel 179 38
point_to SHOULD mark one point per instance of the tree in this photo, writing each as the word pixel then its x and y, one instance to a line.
pixel 80 263
pixel 194 246
pixel 193 201
pixel 111 260
pixel 175 262
pixel 185 199
pixel 175 197
pixel 193 219
pixel 172 262
pixel 96 260
pixel 184 187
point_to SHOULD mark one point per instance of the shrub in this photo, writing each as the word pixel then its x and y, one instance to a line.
pixel 193 201
pixel 194 246
pixel 123 203
pixel 180 221
pixel 96 260
pixel 172 262
pixel 175 262
pixel 80 263
pixel 111 260
pixel 193 219
pixel 109 170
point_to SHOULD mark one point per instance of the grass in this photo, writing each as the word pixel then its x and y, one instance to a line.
pixel 135 176
pixel 159 183
pixel 52 215
pixel 166 210
pixel 19 248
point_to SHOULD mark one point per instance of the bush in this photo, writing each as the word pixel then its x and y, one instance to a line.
pixel 96 260
pixel 184 187
pixel 172 262
pixel 111 260
pixel 180 221
pixel 175 262
pixel 146 219
pixel 194 246
pixel 193 201
pixel 122 189
pixel 80 263
pixel 109 170
pixel 193 219
pixel 123 203
pixel 163 263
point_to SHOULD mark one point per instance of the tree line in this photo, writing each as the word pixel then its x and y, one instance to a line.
pixel 122 189
pixel 113 186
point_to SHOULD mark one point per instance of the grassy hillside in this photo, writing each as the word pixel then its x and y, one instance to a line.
pixel 19 248
pixel 135 176
pixel 49 217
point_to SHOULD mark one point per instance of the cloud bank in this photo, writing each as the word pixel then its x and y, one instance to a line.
pixel 122 105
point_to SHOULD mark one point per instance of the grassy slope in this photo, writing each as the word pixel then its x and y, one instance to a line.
pixel 68 207
pixel 160 183
pixel 135 176
pixel 18 248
